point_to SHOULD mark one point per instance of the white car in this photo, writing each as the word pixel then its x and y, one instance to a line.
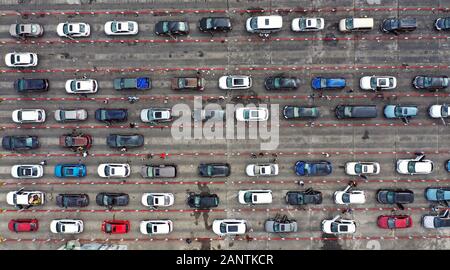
pixel 120 28
pixel 25 198
pixel 439 111
pixel 378 82
pixel 264 24
pixel 348 196
pixel 223 227
pixel 66 226
pixel 156 226
pixel 362 168
pixel 108 170
pixel 262 169
pixel 255 196
pixel 307 24
pixel 24 116
pixel 21 59
pixel 71 115
pixel 81 86
pixel 252 114
pixel 235 82
pixel 156 115
pixel 27 171
pixel 414 166
pixel 77 29
pixel 338 226
pixel 157 199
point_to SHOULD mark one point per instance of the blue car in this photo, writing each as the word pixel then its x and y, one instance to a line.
pixel 437 194
pixel 313 168
pixel 447 165
pixel 320 83
pixel 70 170
pixel 399 111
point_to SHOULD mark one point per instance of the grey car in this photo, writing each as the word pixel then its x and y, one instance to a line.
pixel 159 171
pixel 22 30
pixel 280 225
pixel 208 115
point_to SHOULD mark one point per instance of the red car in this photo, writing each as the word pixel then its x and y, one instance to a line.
pixel 394 221
pixel 23 225
pixel 116 226
pixel 84 141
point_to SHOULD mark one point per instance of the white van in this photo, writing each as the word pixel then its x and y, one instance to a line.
pixel 264 24
pixel 355 24
pixel 255 196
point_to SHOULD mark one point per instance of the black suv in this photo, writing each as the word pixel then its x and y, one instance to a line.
pixel 395 196
pixel 109 115
pixel 201 201
pixel 72 200
pixel 395 25
pixel 31 85
pixel 356 111
pixel 309 196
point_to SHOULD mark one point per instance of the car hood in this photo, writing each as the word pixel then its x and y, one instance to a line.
pixel 428 221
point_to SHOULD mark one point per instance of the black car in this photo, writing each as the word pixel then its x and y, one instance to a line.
pixel 298 112
pixel 72 200
pixel 395 196
pixel 112 199
pixel 281 83
pixel 430 82
pixel 356 111
pixel 31 85
pixel 20 142
pixel 171 28
pixel 214 170
pixel 309 196
pixel 202 201
pixel 109 115
pixel 395 25
pixel 128 141
pixel 215 24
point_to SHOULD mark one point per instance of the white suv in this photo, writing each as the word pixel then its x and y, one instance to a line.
pixel 264 24
pixel 338 226
pixel 81 86
pixel 413 166
pixel 223 227
pixel 66 226
pixel 378 82
pixel 255 196
pixel 21 59
pixel 24 116
pixel 235 82
pixel 262 169
pixel 108 170
pixel 348 196
pixel 157 199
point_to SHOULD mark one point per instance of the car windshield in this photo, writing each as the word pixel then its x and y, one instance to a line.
pixel 390 197
pixel 349 23
pixel 150 228
pixel 165 27
pixel 197 200
pixel 60 227
pixel 115 26
pixel 108 227
pixel 229 82
pixel 391 223
pixel 246 114
pixel 254 23
pixel 446 23
pixel 108 170
pixel 427 81
pixel 373 82
pixel 358 168
pixel 277 82
pixel 276 227
pixel 399 111
pixel 334 227
pixel 81 28
pixel 302 23
pixel 346 198
pixel 444 110
pixel 348 111
pixel 209 23
pixel 223 228
pixel 210 170
pixel 411 167
pixel 323 83
pixel 66 28
pixel 69 141
pixel 181 26
pixel 130 26
pixel 248 197
pixel 107 200
pixel 73 85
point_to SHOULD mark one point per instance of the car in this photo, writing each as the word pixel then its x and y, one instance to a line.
pixel 394 222
pixel 281 83
pixel 264 25
pixel 210 115
pixel 313 168
pixel 252 114
pixel 447 165
pixel 171 28
pixel 66 226
pixel 214 170
pixel 280 225
pixel 395 196
pixel 27 171
pixel 299 112
pixel 437 194
pixel 202 201
pixel 308 196
pixel 81 86
pixel 321 83
pixel 83 141
pixel 235 82
pixel 112 199
pixel 72 200
pixel 71 115
pixel 268 169
pixel 121 28
pixel 25 199
pixel 400 111
pixel 25 59
pixel 188 83
pixel 215 24
pixel 116 226
pixel 159 171
pixel 111 115
pixel 337 225
pixel 141 83
pixel 378 83
pixel 125 140
pixel 414 166
pixel 442 24
pixel 73 29
pixel 307 24
pixel 224 227
pixel 31 85
pixel 16 143
pixel 349 196
pixel 70 170
pixel 156 115
pixel 362 168
pixel 430 82
pixel 23 30
pixel 436 221
pixel 351 24
pixel 108 170
pixel 355 111
pixel 23 225
pixel 439 111
pixel 156 226
pixel 255 197
pixel 398 25
pixel 157 199
pixel 25 116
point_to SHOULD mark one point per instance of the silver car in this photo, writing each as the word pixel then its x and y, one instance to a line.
pixel 22 30
pixel 280 225
pixel 208 115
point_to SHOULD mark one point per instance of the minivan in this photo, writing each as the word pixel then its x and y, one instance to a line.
pixel 264 24
pixel 355 24
pixel 356 111
pixel 31 85
pixel 395 25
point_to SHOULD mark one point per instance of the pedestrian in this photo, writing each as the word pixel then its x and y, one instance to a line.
pixel 320 95
pixel 80 148
pixel 123 149
pixel 149 156
pixel 43 163
pixel 163 156
pixel 326 154
pixel 312 96
pixel 105 101
pixel 188 241
pixel 352 183
pixel 350 90
pixel 132 125
pixel 328 97
pixel 85 153
pixel 253 155
pixel 261 154
pixel 301 183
